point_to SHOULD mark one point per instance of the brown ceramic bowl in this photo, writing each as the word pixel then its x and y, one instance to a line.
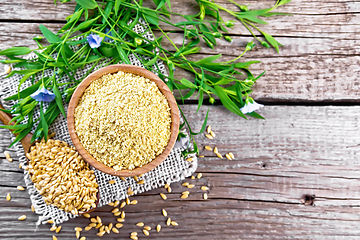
pixel 137 71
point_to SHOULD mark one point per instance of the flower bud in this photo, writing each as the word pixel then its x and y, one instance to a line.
pixel 217 34
pixel 230 23
pixel 138 41
pixel 250 46
pixel 228 38
pixel 265 44
pixel 211 100
pixel 244 8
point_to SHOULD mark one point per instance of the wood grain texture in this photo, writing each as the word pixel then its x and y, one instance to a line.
pixel 297 151
pixel 319 60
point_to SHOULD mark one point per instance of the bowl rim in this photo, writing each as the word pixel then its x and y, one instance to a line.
pixel 175 119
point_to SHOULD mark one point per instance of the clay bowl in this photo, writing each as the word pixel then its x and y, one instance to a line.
pixel 136 71
pixel 26 143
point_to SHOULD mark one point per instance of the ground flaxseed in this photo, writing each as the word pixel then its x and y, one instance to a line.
pixel 123 120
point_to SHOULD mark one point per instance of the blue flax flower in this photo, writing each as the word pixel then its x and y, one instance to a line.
pixel 108 32
pixel 250 106
pixel 94 40
pixel 43 95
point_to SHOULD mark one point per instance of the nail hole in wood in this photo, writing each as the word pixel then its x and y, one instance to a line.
pixel 308 199
pixel 263 165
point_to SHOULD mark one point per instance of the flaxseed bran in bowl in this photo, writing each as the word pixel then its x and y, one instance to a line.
pixel 123 120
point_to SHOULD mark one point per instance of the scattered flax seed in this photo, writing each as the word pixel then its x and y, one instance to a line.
pixel 87 228
pixel 20 165
pixel 93 220
pixel 205 196
pixel 169 189
pixel 50 221
pixel 212 134
pixel 111 181
pixel 209 136
pixel 228 156
pixel 53 228
pixel 124 104
pixel 20 188
pixel 8 197
pixel 136 178
pixel 199 175
pixel 204 188
pixel 8 157
pixel 115 210
pixel 163 196
pixel 54 237
pixel 98 219
pixel 141 175
pixel 32 208
pixel 58 229
pixel 110 227
pixel 86 215
pixel 111 204
pixel 166 185
pixel 183 196
pixel 164 212
pixel 158 228
pixel 231 155
pixel 119 225
pixel 168 221
pixel 8 70
pixel 208 148
pixel 140 224
pixel 134 202
pixel 219 155
pixel 201 156
pixel 123 204
pixel 129 190
pixel 92 224
pixel 174 223
pixel 216 151
pixel 133 234
pixel 22 217
pixel 192 177
pixel 100 234
pixel 185 184
pixel 116 203
pixel 148 228
pixel 141 182
pixel 146 232
pixel 115 230
pixel 186 192
pixel 122 215
pixel 121 219
pixel 190 186
pixel 117 214
pixel 122 178
pixel 190 159
pixel 99 225
pixel 127 200
pixel 134 237
pixel 208 130
pixel 83 238
pixel 77 234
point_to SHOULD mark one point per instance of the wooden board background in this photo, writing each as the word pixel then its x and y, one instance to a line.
pixel 307 146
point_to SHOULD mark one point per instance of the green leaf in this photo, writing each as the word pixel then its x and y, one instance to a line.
pixel 227 102
pixel 108 7
pixel 208 59
pixel 255 115
pixel 207 33
pixel 74 17
pixel 20 136
pixel 43 122
pixel 200 100
pixel 117 6
pixel 88 4
pixel 187 23
pixel 19 126
pixel 283 2
pixel 188 83
pixel 152 61
pixel 151 17
pixel 204 124
pixel 259 75
pixel 245 64
pixel 14 51
pixel 26 92
pixel 123 56
pixel 86 24
pixel 58 99
pixel 50 36
pixel 271 40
